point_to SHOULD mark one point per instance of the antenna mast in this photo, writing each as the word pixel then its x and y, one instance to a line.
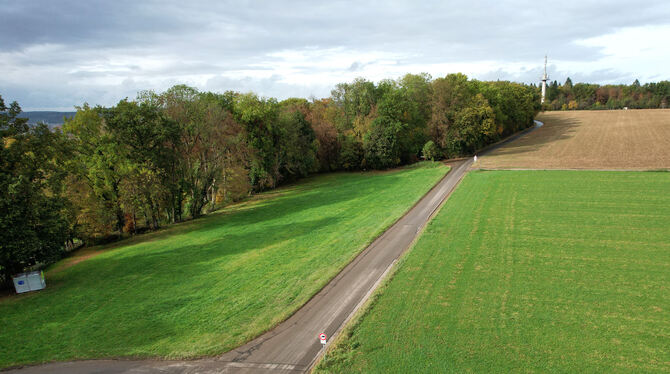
pixel 544 80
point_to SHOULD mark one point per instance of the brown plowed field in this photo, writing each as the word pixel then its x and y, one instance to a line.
pixel 611 139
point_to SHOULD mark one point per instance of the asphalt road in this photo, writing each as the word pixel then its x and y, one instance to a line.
pixel 293 346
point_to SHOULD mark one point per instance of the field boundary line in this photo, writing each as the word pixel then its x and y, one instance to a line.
pixel 661 170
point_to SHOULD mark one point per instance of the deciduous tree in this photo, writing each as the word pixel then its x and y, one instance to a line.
pixel 33 213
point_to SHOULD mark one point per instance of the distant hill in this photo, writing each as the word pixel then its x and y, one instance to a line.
pixel 53 119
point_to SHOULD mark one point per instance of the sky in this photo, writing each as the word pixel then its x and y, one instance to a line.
pixel 55 55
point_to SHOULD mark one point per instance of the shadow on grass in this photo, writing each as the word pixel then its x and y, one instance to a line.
pixel 272 205
pixel 211 276
pixel 280 206
pixel 135 296
pixel 160 265
pixel 229 244
pixel 287 201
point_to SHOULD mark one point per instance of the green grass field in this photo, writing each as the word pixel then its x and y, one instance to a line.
pixel 206 286
pixel 527 271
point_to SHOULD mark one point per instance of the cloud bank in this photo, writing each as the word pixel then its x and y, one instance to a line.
pixel 54 55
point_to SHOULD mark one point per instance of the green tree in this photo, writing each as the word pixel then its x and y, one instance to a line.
pixel 99 167
pixel 430 151
pixel 33 213
pixel 297 144
pixel 552 91
pixel 382 145
pixel 474 125
pixel 210 142
pixel 141 135
pixel 585 94
pixel 259 116
pixel 416 91
pixel 450 94
pixel 513 104
pixel 351 153
pixel 568 83
pixel 356 101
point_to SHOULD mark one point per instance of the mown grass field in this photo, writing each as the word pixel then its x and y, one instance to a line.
pixel 590 139
pixel 207 286
pixel 528 271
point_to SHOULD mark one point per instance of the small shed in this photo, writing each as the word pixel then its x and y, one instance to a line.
pixel 29 281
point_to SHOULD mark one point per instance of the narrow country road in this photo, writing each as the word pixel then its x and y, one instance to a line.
pixel 293 346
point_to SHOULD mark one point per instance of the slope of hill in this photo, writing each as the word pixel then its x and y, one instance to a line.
pixel 206 286
pixel 606 139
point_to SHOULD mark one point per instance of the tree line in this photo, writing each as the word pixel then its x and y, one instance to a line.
pixel 580 96
pixel 166 157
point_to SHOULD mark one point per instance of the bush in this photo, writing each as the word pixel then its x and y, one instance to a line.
pixel 429 151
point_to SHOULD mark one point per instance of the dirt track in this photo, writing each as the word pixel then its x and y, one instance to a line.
pixel 612 139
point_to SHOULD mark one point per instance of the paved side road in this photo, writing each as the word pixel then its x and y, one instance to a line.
pixel 293 346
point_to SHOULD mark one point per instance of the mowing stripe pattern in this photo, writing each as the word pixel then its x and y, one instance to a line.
pixel 528 271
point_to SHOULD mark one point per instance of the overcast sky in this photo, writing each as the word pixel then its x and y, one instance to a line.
pixel 57 54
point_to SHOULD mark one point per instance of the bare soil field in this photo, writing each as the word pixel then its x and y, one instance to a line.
pixel 611 139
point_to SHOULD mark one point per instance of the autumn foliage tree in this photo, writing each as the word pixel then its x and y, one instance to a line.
pixel 97 170
pixel 166 157
pixel 569 96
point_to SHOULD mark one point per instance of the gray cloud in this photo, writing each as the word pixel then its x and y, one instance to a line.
pixel 59 54
pixel 268 87
pixel 355 66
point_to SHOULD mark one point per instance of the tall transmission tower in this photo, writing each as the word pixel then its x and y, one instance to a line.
pixel 544 80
